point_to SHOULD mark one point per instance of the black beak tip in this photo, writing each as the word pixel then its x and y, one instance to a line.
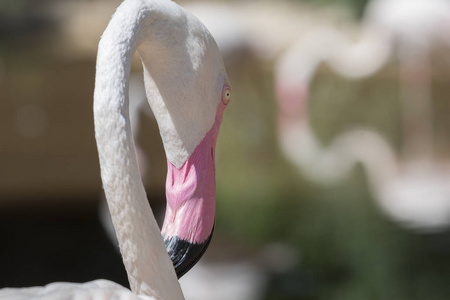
pixel 185 255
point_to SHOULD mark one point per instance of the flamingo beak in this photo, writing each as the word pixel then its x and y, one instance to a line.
pixel 185 255
pixel 191 204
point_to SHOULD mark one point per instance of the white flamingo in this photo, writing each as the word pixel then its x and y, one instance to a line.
pixel 414 28
pixel 187 88
pixel 294 71
pixel 413 192
pixel 412 189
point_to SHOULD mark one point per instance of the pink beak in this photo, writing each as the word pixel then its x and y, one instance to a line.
pixel 191 202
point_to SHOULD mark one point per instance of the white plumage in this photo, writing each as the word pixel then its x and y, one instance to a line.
pixel 184 78
pixel 95 290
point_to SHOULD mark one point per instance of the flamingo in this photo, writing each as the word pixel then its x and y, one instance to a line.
pixel 187 87
pixel 414 28
pixel 261 33
pixel 294 71
pixel 413 192
pixel 412 25
pixel 410 188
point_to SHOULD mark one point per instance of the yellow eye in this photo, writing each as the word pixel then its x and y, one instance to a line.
pixel 226 95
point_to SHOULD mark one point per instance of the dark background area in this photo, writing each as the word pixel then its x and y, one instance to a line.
pixel 50 190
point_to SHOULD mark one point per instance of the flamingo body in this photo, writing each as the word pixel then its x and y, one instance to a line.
pixel 96 290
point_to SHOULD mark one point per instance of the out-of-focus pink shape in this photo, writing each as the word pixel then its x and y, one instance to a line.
pixel 413 187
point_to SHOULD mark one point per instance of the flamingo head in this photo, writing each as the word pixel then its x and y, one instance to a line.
pixel 191 199
pixel 188 90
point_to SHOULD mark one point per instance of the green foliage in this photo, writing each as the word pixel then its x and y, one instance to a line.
pixel 349 248
pixel 357 6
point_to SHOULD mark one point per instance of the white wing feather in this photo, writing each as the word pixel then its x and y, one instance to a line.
pixel 93 290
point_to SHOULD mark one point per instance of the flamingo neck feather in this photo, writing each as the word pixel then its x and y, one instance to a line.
pixel 148 266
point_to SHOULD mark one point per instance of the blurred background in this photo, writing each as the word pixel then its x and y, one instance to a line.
pixel 333 166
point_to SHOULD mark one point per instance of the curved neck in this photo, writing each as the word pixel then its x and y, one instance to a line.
pixel 149 268
pixel 363 57
pixel 373 151
pixel 351 59
pixel 328 164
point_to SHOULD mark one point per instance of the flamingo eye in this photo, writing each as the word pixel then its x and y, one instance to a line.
pixel 226 95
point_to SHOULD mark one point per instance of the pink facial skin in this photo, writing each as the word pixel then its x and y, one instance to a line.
pixel 191 190
pixel 292 98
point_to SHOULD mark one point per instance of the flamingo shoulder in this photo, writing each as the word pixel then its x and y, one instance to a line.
pixel 94 290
